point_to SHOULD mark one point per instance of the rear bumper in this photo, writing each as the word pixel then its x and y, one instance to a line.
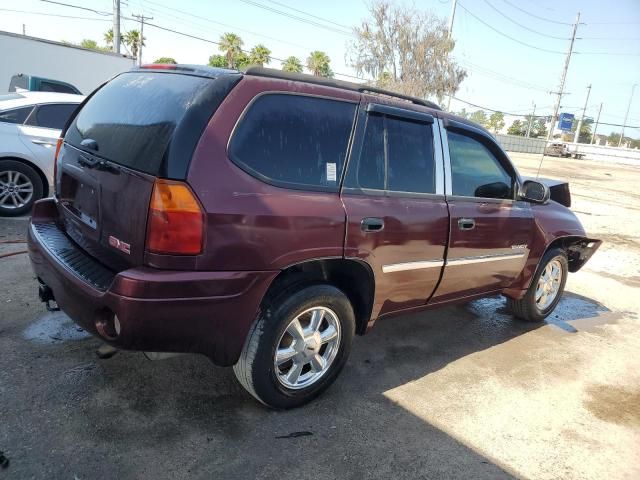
pixel 158 310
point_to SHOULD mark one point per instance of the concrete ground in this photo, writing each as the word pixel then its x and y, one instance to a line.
pixel 463 392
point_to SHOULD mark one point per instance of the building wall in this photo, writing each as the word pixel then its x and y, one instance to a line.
pixel 514 143
pixel 85 69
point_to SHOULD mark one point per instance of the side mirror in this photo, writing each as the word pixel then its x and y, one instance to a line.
pixel 534 192
pixel 494 190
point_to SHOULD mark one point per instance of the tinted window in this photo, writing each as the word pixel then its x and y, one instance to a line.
pixel 17 115
pixel 410 156
pixel 406 166
pixel 294 140
pixel 371 166
pixel 475 171
pixel 133 117
pixel 52 116
pixel 57 87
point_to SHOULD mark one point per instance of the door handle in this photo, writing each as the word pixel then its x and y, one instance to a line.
pixel 45 143
pixel 371 224
pixel 466 223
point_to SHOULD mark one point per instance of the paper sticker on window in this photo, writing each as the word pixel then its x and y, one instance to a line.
pixel 331 172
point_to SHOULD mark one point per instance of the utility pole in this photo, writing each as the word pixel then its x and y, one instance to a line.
pixel 626 116
pixel 577 135
pixel 142 18
pixel 116 26
pixel 531 120
pixel 593 137
pixel 554 119
pixel 24 29
pixel 454 3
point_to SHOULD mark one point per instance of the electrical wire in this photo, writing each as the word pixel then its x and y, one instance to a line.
pixel 497 111
pixel 524 26
pixel 504 34
pixel 54 15
pixel 311 15
pixel 98 12
pixel 536 16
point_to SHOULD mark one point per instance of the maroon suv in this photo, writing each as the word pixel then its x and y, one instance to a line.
pixel 264 218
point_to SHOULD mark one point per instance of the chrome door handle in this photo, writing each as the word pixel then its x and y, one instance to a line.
pixel 46 143
pixel 466 223
pixel 372 224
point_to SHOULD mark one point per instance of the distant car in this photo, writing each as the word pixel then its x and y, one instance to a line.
pixel 559 149
pixel 22 83
pixel 30 124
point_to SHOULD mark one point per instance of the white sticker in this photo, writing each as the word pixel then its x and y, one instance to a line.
pixel 331 172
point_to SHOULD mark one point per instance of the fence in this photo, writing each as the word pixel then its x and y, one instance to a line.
pixel 513 143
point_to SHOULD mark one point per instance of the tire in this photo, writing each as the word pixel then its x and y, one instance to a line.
pixel 256 369
pixel 527 308
pixel 13 174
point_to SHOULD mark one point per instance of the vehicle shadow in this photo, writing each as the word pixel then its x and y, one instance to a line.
pixel 184 417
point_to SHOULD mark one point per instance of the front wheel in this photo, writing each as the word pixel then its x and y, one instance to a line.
pixel 297 347
pixel 545 289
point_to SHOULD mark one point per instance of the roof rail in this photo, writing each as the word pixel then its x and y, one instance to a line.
pixel 330 82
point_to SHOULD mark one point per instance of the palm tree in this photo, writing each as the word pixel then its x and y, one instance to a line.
pixel 108 38
pixel 292 64
pixel 318 62
pixel 259 55
pixel 132 39
pixel 231 45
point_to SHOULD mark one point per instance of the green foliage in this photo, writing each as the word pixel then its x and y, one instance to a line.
pixel 517 128
pixel 166 60
pixel 218 61
pixel 463 113
pixel 319 64
pixel 132 40
pixel 231 46
pixel 292 64
pixel 242 61
pixel 259 55
pixel 585 130
pixel 479 117
pixel 91 45
pixel 539 129
pixel 496 122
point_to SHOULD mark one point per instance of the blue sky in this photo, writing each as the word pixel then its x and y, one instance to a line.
pixel 503 74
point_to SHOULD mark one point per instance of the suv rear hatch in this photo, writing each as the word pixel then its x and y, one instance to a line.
pixel 140 126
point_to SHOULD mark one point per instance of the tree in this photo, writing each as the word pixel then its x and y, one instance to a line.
pixel 133 41
pixel 218 61
pixel 518 128
pixel 91 45
pixel 539 129
pixel 412 46
pixel 463 113
pixel 231 45
pixel 319 64
pixel 259 55
pixel 479 117
pixel 496 122
pixel 613 139
pixel 166 60
pixel 242 61
pixel 292 64
pixel 585 130
pixel 108 38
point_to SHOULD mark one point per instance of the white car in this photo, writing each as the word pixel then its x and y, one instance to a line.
pixel 30 124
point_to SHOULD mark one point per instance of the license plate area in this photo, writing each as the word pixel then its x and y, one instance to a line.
pixel 81 197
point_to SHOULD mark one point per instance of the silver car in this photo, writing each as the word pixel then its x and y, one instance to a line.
pixel 30 124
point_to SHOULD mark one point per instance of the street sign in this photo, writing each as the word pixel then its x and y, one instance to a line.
pixel 565 122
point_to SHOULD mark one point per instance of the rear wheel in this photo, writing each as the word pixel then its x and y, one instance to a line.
pixel 545 290
pixel 20 187
pixel 298 346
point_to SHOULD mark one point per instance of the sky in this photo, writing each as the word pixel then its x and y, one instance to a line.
pixel 506 74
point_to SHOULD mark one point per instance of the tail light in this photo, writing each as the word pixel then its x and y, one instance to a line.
pixel 176 220
pixel 55 160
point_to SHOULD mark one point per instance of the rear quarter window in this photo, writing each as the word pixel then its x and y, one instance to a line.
pixel 294 141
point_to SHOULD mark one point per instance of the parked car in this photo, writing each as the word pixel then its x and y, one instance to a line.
pixel 22 82
pixel 559 149
pixel 265 218
pixel 30 124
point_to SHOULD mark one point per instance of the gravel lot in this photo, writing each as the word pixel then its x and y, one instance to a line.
pixel 463 392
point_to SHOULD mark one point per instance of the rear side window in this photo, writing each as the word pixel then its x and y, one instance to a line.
pixel 57 87
pixel 294 140
pixel 52 116
pixel 17 115
pixel 397 156
pixel 133 117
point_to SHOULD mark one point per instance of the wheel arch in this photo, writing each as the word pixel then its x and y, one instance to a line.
pixel 579 249
pixel 38 170
pixel 354 277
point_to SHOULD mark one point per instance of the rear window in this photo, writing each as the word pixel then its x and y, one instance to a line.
pixel 17 115
pixel 294 141
pixel 54 115
pixel 133 117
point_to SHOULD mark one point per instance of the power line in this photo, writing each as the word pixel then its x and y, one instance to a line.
pixel 497 111
pixel 524 26
pixel 504 34
pixel 105 14
pixel 311 15
pixel 501 76
pixel 54 15
pixel 536 16
pixel 296 17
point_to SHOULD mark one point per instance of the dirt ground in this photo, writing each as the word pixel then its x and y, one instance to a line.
pixel 463 392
